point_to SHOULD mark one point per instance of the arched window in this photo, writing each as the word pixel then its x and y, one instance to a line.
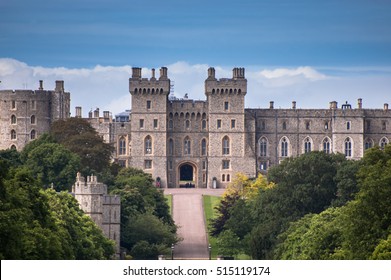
pixel 122 146
pixel 307 145
pixel 170 124
pixel 32 134
pixel 187 124
pixel 170 147
pixel 368 144
pixel 203 125
pixel 13 119
pixel 13 134
pixel 284 125
pixel 203 147
pixel 148 145
pixel 32 119
pixel 225 145
pixel 383 143
pixel 284 147
pixel 187 146
pixel 348 147
pixel 13 147
pixel 326 145
pixel 263 147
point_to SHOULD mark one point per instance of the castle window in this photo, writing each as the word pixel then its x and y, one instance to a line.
pixel 263 125
pixel 13 147
pixel 263 147
pixel 284 147
pixel 368 124
pixel 148 145
pixel 203 165
pixel 170 164
pixel 307 145
pixel 13 134
pixel 326 145
pixel 203 125
pixel 13 104
pixel 203 147
pixel 122 146
pixel 187 146
pixel 233 123
pixel 383 143
pixel 141 123
pixel 187 124
pixel 308 125
pixel 348 147
pixel 170 147
pixel 170 124
pixel 148 164
pixel 223 177
pixel 368 144
pixel 33 105
pixel 32 119
pixel 218 123
pixel 384 125
pixel 155 123
pixel 13 119
pixel 225 145
pixel 263 166
pixel 284 126
pixel 326 125
pixel 226 105
pixel 225 164
pixel 348 125
pixel 122 163
pixel 203 178
pixel 148 104
pixel 32 134
pixel 228 178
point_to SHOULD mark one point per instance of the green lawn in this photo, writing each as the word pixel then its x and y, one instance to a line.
pixel 169 201
pixel 209 204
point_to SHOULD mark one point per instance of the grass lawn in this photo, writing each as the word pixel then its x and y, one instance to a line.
pixel 209 204
pixel 169 201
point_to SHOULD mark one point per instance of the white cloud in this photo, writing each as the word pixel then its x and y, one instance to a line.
pixel 106 87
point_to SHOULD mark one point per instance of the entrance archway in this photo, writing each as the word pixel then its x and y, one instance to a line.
pixel 187 175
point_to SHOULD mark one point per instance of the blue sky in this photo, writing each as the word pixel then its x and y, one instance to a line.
pixel 317 49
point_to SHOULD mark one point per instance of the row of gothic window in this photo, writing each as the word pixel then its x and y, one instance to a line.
pixel 33 104
pixel 14 119
pixel 326 146
pixel 33 134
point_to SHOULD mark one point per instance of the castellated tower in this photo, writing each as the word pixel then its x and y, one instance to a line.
pixel 149 123
pixel 229 138
pixel 104 209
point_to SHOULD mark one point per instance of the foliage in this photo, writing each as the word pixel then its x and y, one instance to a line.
pixel 77 135
pixel 42 224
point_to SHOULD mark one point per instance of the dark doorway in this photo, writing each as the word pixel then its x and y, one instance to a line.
pixel 186 172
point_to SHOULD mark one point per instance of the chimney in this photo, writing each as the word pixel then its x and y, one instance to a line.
pixel 238 73
pixel 136 72
pixel 106 115
pixel 153 74
pixel 211 73
pixel 385 106
pixel 359 103
pixel 96 113
pixel 59 86
pixel 78 112
pixel 90 114
pixel 163 73
pixel 271 105
pixel 333 105
pixel 293 104
pixel 40 85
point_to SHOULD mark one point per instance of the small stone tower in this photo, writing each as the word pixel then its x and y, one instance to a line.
pixel 149 123
pixel 104 209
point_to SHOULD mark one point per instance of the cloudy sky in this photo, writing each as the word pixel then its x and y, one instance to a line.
pixel 309 51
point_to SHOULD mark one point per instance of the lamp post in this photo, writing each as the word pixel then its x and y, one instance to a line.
pixel 172 251
pixel 210 251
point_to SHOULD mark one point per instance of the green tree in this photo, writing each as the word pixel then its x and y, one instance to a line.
pixel 77 135
pixel 53 164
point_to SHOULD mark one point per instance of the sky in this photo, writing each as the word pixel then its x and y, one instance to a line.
pixel 309 51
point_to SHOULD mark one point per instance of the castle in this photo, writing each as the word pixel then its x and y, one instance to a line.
pixel 104 209
pixel 203 143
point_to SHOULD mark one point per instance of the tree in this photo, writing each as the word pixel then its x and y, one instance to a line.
pixel 53 164
pixel 77 135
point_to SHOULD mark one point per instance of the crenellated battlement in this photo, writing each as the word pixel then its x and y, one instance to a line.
pixel 237 85
pixel 140 85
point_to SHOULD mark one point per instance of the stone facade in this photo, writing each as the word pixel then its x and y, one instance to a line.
pixel 26 114
pixel 183 142
pixel 104 209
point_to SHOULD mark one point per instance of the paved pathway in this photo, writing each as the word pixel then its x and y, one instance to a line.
pixel 188 214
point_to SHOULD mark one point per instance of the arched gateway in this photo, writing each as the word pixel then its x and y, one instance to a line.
pixel 187 175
